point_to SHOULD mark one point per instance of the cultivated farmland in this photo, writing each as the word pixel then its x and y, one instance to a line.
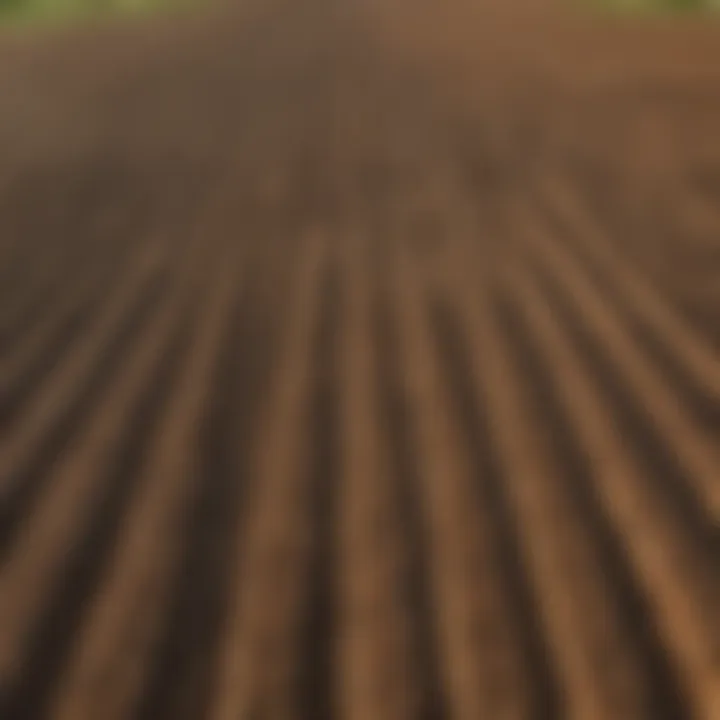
pixel 360 361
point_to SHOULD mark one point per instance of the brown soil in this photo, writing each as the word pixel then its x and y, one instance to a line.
pixel 361 360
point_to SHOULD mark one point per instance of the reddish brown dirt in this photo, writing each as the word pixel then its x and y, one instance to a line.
pixel 361 360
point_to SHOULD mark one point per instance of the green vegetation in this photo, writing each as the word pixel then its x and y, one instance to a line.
pixel 32 11
pixel 662 5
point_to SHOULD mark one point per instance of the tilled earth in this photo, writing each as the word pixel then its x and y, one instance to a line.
pixel 361 360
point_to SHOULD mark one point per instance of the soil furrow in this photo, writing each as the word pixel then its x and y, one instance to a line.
pixel 379 675
pixel 49 645
pixel 32 357
pixel 317 655
pixel 631 640
pixel 180 680
pixel 700 544
pixel 629 498
pixel 533 655
pixel 694 380
pixel 664 413
pixel 29 478
pixel 122 627
pixel 395 425
pixel 462 551
pixel 50 538
pixel 258 658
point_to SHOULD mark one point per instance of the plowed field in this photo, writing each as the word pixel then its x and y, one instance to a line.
pixel 361 361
